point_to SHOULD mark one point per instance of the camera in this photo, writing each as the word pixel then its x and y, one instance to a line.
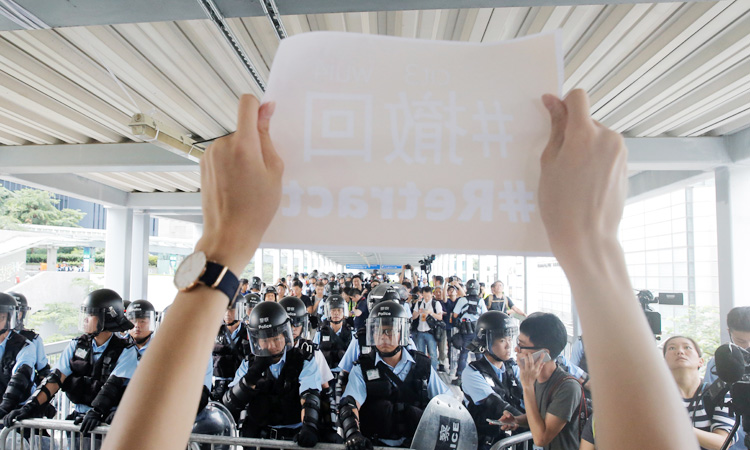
pixel 645 297
pixel 407 266
pixel 426 263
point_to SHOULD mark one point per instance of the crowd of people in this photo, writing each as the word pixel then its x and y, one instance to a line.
pixel 353 358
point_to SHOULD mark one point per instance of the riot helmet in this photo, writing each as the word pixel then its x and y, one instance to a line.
pixel 22 307
pixel 297 312
pixel 269 330
pixel 8 308
pixel 472 288
pixel 388 328
pixel 256 284
pixel 494 325
pixel 251 301
pixel 387 291
pixel 125 305
pixel 334 303
pixel 143 316
pixel 235 311
pixel 102 310
pixel 333 288
pixel 270 290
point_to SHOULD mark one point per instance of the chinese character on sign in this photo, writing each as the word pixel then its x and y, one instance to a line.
pixel 426 119
pixel 338 125
pixel 495 120
pixel 444 433
pixel 517 201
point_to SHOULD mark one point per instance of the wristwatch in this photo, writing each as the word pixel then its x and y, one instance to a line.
pixel 197 269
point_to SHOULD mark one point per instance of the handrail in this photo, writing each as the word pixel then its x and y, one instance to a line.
pixel 513 440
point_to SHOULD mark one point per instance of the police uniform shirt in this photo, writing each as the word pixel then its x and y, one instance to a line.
pixel 462 306
pixel 25 356
pixel 357 389
pixel 477 387
pixel 570 367
pixel 352 353
pixel 576 353
pixel 309 378
pixel 141 351
pixel 41 355
pixel 125 367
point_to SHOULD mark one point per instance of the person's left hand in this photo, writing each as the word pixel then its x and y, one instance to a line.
pixel 509 421
pixel 90 421
pixel 529 369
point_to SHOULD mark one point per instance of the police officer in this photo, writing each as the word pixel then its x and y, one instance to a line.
pixel 465 315
pixel 334 336
pixel 388 389
pixel 41 365
pixel 491 384
pixel 282 384
pixel 93 370
pixel 251 301
pixel 142 315
pixel 17 358
pixel 230 348
pixel 270 294
pixel 256 285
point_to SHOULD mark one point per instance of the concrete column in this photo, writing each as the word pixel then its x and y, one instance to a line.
pixel 276 266
pixel 139 257
pixel 483 276
pixel 118 250
pixel 51 259
pixel 259 263
pixel 732 223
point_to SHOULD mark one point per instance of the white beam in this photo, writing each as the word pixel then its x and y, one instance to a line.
pixel 651 183
pixel 183 217
pixel 117 251
pixel 704 153
pixel 168 200
pixel 139 257
pixel 738 146
pixel 81 158
pixel 73 186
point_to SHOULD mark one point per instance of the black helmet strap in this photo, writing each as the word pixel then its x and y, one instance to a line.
pixel 388 354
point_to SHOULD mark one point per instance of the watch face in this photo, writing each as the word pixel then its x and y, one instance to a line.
pixel 190 270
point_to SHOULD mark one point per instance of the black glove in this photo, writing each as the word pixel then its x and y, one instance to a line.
pixel 314 321
pixel 27 411
pixel 256 369
pixel 90 420
pixel 111 417
pixel 3 413
pixel 357 441
pixel 307 436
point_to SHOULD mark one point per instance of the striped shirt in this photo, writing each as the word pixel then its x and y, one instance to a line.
pixel 721 419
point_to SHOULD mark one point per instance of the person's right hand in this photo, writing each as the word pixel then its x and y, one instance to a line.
pixel 240 187
pixel 583 181
pixel 509 421
pixel 19 414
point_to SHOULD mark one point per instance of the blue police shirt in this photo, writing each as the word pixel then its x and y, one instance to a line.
pixel 25 356
pixel 570 367
pixel 475 385
pixel 357 389
pixel 461 309
pixel 309 378
pixel 576 352
pixel 125 367
pixel 41 355
pixel 352 354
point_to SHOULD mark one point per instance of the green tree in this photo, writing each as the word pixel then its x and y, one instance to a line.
pixel 35 207
pixel 64 315
pixel 87 285
pixel 7 222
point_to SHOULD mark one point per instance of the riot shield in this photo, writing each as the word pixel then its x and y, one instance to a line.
pixel 445 425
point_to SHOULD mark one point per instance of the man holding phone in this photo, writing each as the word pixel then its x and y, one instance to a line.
pixel 552 398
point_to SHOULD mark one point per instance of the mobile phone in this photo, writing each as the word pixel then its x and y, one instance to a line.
pixel 495 422
pixel 541 354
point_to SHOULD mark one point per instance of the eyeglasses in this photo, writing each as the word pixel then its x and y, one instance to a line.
pixel 522 347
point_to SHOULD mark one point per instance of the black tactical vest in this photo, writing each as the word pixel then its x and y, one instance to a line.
pixel 393 410
pixel 472 304
pixel 14 345
pixel 87 377
pixel 276 401
pixel 509 389
pixel 228 355
pixel 332 345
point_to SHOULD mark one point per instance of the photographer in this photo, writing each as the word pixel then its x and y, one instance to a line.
pixel 738 323
pixel 427 312
pixel 402 276
pixel 711 425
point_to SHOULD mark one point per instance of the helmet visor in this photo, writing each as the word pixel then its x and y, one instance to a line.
pixel 143 321
pixel 300 327
pixel 91 320
pixel 508 334
pixel 337 312
pixel 7 317
pixel 271 341
pixel 388 332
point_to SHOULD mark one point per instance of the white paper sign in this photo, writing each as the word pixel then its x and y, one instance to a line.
pixel 409 144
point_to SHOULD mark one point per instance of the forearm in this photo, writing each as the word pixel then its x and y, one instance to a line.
pixel 711 440
pixel 533 417
pixel 186 337
pixel 614 325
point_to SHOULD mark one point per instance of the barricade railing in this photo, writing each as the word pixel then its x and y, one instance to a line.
pixel 523 441
pixel 48 434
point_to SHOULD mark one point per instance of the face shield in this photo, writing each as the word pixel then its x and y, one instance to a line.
pixel 7 318
pixel 388 332
pixel 337 313
pixel 300 327
pixel 239 308
pixel 144 322
pixel 91 320
pixel 508 336
pixel 272 340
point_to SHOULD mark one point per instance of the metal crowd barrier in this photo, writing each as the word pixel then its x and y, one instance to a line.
pixel 47 434
pixel 514 442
